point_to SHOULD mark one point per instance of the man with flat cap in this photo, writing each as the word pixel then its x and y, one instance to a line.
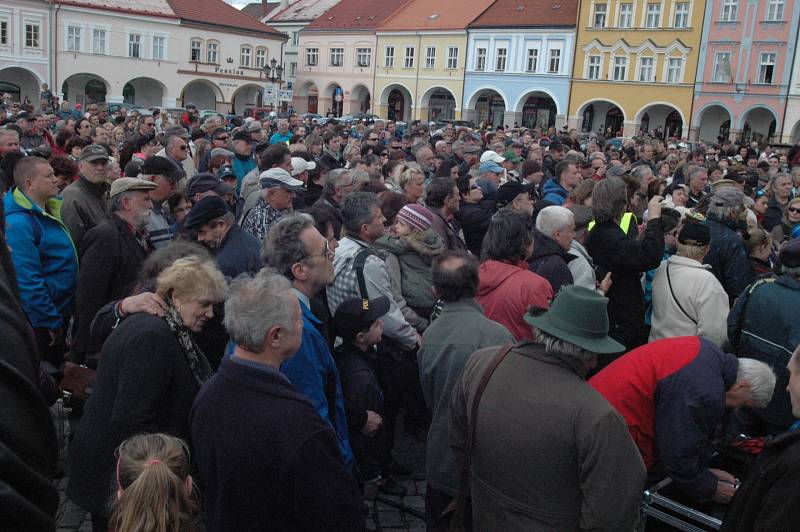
pixel 763 325
pixel 515 196
pixel 203 185
pixel 235 251
pixel 112 254
pixel 278 189
pixel 86 199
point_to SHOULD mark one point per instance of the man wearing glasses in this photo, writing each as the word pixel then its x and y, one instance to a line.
pixel 86 200
pixel 147 125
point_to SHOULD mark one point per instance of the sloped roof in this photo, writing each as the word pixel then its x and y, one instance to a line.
pixel 259 10
pixel 218 13
pixel 529 14
pixel 148 7
pixel 425 15
pixel 302 11
pixel 356 15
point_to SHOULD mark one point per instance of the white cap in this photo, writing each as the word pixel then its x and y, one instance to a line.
pixel 278 177
pixel 300 165
pixel 492 155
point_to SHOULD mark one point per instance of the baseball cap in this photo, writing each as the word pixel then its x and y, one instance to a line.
pixel 278 177
pixel 490 166
pixel 128 184
pixel 205 210
pixel 300 165
pixel 205 182
pixel 226 171
pixel 93 152
pixel 355 315
pixel 492 155
pixel 221 151
pixel 695 234
pixel 790 254
pixel 511 155
pixel 510 190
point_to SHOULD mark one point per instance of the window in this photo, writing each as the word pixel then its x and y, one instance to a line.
pixel 337 57
pixel 599 20
pixel 134 45
pixel 292 70
pixel 533 60
pixel 212 52
pixel 555 61
pixel 261 57
pixel 452 57
pixel 681 15
pixel 775 10
pixel 480 59
pixel 767 68
pixel 620 68
pixel 196 50
pixel 729 10
pixel 245 56
pixel 388 57
pixel 295 38
pixel 409 59
pixel 674 70
pixel 646 67
pixel 98 41
pixel 500 59
pixel 4 32
pixel 158 47
pixel 312 56
pixel 593 72
pixel 722 67
pixel 653 16
pixel 625 19
pixel 32 35
pixel 363 57
pixel 430 56
pixel 73 39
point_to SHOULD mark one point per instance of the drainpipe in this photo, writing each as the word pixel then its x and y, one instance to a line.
pixel 53 20
pixel 416 81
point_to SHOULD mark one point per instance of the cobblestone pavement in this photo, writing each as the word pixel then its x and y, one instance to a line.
pixel 385 514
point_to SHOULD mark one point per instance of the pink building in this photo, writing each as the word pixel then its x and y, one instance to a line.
pixel 743 76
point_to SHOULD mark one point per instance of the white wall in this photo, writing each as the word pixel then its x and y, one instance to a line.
pixel 21 65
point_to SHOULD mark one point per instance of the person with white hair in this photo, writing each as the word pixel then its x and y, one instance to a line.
pixel 552 239
pixel 672 393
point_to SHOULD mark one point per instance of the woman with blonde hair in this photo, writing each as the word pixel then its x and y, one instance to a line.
pixel 149 374
pixel 779 190
pixel 154 487
pixel 412 183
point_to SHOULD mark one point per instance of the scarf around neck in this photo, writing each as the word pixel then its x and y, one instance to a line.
pixel 198 363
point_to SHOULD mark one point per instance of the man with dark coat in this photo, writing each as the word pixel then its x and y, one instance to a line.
pixel 474 214
pixel 86 200
pixel 112 254
pixel 254 476
pixel 443 199
pixel 550 452
pixel 552 239
pixel 727 255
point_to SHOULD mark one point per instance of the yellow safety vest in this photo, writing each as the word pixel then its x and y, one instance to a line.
pixel 624 223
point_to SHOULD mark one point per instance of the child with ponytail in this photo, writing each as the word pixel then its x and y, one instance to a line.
pixel 154 488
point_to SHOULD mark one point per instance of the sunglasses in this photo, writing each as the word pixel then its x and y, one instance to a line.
pixel 794 210
pixel 222 138
pixel 150 124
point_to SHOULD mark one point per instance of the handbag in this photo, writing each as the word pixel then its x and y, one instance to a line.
pixel 454 517
pixel 669 282
pixel 78 380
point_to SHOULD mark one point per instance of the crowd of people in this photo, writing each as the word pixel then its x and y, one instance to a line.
pixel 564 319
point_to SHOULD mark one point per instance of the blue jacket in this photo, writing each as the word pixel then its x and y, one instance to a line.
pixel 242 167
pixel 44 257
pixel 277 137
pixel 554 192
pixel 313 373
pixel 727 257
pixel 239 253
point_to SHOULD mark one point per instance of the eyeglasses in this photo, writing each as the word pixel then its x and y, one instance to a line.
pixel 794 210
pixel 222 138
pixel 474 187
pixel 150 124
pixel 326 252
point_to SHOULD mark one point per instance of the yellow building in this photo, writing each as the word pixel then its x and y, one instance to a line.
pixel 421 52
pixel 635 65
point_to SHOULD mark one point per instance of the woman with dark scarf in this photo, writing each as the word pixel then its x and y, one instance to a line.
pixel 149 374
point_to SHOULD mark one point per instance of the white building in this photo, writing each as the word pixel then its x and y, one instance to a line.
pixel 25 48
pixel 162 53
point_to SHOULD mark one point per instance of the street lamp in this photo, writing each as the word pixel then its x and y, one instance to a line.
pixel 274 72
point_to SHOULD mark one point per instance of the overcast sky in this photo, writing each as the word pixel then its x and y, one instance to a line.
pixel 238 3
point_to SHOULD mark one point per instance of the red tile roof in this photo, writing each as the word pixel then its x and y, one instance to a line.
pixel 429 15
pixel 218 13
pixel 302 11
pixel 529 14
pixel 259 9
pixel 155 8
pixel 356 15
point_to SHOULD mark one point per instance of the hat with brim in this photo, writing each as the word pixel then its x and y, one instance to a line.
pixel 512 156
pixel 353 316
pixel 130 184
pixel 278 177
pixel 93 152
pixel 578 316
pixel 490 166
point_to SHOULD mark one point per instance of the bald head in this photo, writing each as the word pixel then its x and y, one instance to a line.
pixel 455 276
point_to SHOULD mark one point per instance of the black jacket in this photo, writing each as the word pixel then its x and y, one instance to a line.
pixel 266 460
pixel 329 162
pixel 774 214
pixel 239 253
pixel 626 258
pixel 144 384
pixel 111 258
pixel 474 219
pixel 550 261
pixel 727 256
pixel 767 499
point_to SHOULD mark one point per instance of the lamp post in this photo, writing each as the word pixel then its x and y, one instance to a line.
pixel 274 72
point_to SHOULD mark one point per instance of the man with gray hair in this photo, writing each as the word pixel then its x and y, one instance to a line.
pixel 552 239
pixel 697 179
pixel 179 156
pixel 278 189
pixel 253 432
pixel 338 184
pixel 297 250
pixel 426 159
pixel 727 256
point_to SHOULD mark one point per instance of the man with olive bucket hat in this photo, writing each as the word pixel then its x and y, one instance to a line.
pixel 549 452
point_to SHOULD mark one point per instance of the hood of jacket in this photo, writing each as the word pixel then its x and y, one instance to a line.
pixel 544 246
pixel 554 187
pixel 427 244
pixel 493 273
pixel 17 201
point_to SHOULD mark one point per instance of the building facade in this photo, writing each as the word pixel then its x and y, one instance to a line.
pixel 337 58
pixel 743 79
pixel 421 59
pixel 519 61
pixel 791 119
pixel 168 56
pixel 634 66
pixel 26 48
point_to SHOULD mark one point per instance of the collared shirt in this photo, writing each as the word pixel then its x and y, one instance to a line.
pixel 260 219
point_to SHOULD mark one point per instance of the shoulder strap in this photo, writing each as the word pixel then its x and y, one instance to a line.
pixel 463 488
pixel 671 291
pixel 358 265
